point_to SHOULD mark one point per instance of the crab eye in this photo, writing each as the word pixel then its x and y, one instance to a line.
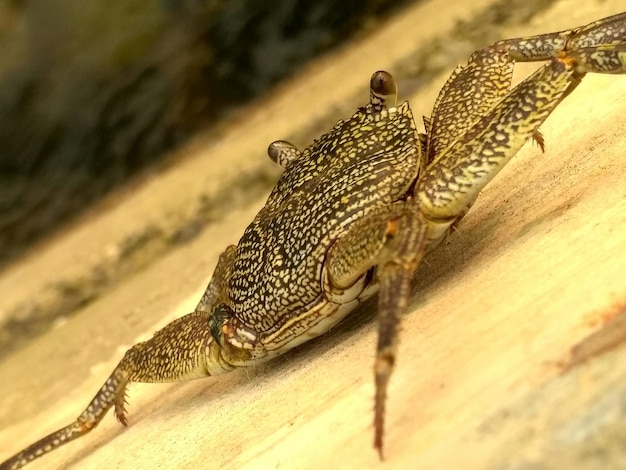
pixel 383 89
pixel 273 151
pixel 219 316
pixel 282 152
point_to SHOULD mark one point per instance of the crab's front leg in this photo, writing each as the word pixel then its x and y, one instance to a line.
pixel 187 348
pixel 392 239
pixel 183 350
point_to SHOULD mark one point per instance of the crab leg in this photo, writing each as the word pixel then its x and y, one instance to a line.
pixel 183 350
pixel 604 32
pixel 393 240
pixel 455 178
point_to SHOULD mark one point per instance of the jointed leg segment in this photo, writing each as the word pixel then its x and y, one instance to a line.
pixel 180 351
pixel 394 241
pixel 609 31
pixel 458 173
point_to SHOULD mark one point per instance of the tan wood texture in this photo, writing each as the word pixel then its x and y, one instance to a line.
pixel 534 278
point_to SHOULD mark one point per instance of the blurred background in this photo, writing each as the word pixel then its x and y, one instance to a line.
pixel 91 93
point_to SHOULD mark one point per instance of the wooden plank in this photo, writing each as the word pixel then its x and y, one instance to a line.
pixel 536 269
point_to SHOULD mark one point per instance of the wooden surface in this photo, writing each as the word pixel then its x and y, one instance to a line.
pixel 538 268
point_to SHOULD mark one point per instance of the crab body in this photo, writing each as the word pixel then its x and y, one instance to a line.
pixel 279 285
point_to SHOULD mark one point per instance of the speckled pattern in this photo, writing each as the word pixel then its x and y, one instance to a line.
pixel 355 210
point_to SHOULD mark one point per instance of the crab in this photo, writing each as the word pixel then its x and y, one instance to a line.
pixel 353 214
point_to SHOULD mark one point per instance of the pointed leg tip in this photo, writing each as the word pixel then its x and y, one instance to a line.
pixel 379 449
pixel 378 445
pixel 122 416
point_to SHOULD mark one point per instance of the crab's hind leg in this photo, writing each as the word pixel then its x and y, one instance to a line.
pixel 599 47
pixel 473 89
pixel 456 177
pixel 610 31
